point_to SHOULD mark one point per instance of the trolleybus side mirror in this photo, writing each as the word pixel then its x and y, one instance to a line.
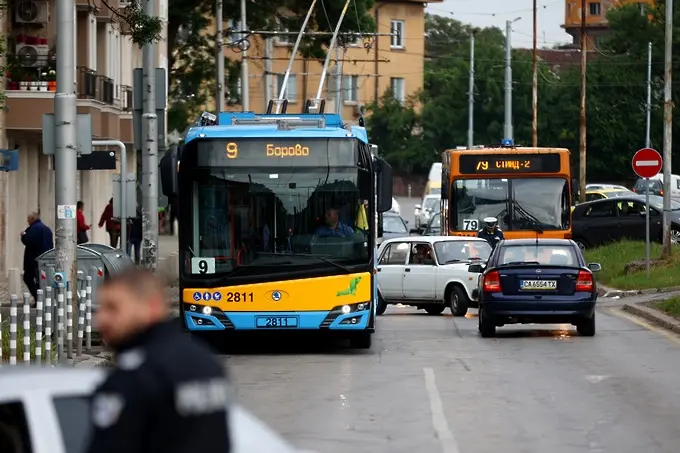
pixel 384 185
pixel 168 168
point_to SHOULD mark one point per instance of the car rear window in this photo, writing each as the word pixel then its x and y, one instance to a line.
pixel 74 419
pixel 653 184
pixel 544 255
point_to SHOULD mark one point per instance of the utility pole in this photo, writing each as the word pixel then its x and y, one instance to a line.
pixel 508 79
pixel 219 58
pixel 267 70
pixel 534 84
pixel 149 150
pixel 65 153
pixel 582 132
pixel 648 127
pixel 338 81
pixel 667 126
pixel 471 93
pixel 245 79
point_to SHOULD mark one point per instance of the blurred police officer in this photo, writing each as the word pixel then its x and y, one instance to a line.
pixel 491 232
pixel 166 393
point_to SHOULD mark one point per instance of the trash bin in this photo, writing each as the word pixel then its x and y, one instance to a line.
pixel 98 261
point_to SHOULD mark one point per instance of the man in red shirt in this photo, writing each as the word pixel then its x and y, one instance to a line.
pixel 112 225
pixel 82 226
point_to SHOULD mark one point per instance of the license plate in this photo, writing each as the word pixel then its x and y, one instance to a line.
pixel 276 322
pixel 538 284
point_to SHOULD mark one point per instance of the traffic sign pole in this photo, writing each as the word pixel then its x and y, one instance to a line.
pixel 647 163
pixel 647 246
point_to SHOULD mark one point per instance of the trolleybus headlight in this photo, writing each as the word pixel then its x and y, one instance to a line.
pixel 207 310
pixel 346 309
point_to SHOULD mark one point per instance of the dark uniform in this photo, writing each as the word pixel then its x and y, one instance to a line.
pixel 492 238
pixel 167 394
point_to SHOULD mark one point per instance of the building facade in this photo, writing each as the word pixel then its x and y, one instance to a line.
pixel 596 19
pixel 104 63
pixel 359 73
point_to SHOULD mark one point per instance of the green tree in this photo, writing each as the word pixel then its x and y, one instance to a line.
pixel 191 44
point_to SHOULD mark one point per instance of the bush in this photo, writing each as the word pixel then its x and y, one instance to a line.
pixel 20 343
pixel 616 257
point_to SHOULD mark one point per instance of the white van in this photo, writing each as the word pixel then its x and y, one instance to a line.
pixel 656 186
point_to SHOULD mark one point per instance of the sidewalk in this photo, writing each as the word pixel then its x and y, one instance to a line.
pixel 167 245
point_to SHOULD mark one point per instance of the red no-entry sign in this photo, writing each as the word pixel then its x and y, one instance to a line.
pixel 647 163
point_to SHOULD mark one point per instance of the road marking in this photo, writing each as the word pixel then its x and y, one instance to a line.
pixel 642 323
pixel 647 163
pixel 441 425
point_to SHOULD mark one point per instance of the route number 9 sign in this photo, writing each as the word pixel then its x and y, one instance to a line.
pixel 202 266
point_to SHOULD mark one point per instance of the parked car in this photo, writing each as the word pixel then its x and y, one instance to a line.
pixel 656 186
pixel 597 186
pixel 536 281
pixel 600 194
pixel 394 226
pixel 47 410
pixel 423 213
pixel 603 221
pixel 430 273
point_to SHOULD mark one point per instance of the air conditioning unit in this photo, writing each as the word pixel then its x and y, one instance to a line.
pixel 32 12
pixel 359 109
pixel 32 56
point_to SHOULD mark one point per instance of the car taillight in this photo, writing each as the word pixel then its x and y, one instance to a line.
pixel 492 282
pixel 661 192
pixel 584 282
pixel 635 189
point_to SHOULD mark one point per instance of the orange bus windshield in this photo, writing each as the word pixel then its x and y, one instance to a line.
pixel 527 190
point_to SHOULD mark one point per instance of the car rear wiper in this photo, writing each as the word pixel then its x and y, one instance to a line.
pixel 308 255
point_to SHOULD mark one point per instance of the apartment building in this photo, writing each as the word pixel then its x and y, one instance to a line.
pixel 596 19
pixel 364 68
pixel 105 58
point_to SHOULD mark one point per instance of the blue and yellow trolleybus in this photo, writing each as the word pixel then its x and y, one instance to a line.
pixel 276 223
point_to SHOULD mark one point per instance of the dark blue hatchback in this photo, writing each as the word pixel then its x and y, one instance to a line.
pixel 537 281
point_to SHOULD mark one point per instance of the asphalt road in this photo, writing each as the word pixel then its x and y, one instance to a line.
pixel 431 384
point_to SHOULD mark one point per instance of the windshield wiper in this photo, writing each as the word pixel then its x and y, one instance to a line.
pixel 308 255
pixel 524 214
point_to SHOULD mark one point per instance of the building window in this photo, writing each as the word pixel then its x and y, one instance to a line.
pixel 291 89
pixel 595 9
pixel 397 27
pixel 350 85
pixel 397 86
pixel 282 40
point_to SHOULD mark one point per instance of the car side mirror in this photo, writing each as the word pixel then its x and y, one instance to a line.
pixel 418 206
pixel 406 222
pixel 594 267
pixel 475 268
pixel 417 231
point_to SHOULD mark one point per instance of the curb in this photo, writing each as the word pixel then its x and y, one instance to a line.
pixel 97 361
pixel 604 291
pixel 655 316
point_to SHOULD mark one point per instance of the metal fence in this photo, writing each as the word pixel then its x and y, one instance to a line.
pixel 44 341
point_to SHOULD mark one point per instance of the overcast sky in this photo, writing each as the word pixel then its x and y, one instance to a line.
pixel 494 13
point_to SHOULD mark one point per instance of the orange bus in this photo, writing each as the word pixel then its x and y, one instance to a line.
pixel 529 191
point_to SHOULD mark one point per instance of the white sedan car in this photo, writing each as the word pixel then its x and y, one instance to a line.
pixel 47 410
pixel 430 272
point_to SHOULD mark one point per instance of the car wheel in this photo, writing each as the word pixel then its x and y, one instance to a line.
pixel 435 310
pixel 583 245
pixel 487 328
pixel 382 305
pixel 458 302
pixel 586 328
pixel 361 340
pixel 675 237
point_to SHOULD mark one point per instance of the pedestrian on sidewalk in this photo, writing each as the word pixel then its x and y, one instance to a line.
pixel 135 236
pixel 82 226
pixel 112 224
pixel 167 393
pixel 37 239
